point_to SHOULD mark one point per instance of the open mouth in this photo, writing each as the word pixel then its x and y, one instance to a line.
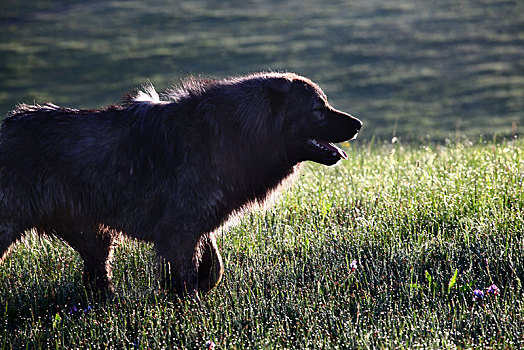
pixel 326 149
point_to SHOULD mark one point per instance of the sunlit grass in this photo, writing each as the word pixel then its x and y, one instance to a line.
pixel 414 67
pixel 426 225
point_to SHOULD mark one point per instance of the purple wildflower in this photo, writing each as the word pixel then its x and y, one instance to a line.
pixel 477 294
pixel 73 310
pixel 493 289
pixel 353 266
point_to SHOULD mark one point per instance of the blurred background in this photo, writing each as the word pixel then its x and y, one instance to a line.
pixel 414 69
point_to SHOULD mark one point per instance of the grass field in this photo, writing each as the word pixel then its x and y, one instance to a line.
pixel 426 226
pixel 427 221
pixel 414 69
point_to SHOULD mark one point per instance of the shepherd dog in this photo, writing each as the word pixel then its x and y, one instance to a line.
pixel 169 168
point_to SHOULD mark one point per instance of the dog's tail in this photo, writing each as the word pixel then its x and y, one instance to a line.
pixel 146 93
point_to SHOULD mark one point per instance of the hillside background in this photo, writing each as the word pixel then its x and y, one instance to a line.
pixel 413 69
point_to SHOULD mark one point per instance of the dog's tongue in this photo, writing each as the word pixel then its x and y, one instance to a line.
pixel 333 148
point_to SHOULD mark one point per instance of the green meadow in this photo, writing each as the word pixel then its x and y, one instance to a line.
pixel 413 69
pixel 425 225
pixel 389 249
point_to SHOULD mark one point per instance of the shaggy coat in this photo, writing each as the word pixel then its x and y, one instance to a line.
pixel 168 171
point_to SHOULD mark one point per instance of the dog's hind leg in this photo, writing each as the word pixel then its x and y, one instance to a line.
pixel 95 246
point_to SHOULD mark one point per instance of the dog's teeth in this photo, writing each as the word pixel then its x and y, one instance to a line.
pixel 321 146
pixel 315 143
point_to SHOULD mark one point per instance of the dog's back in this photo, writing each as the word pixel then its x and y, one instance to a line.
pixel 47 157
pixel 78 163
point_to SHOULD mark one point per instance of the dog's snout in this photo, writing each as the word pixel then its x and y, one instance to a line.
pixel 357 123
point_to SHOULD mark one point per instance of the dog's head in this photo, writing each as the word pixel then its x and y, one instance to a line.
pixel 310 123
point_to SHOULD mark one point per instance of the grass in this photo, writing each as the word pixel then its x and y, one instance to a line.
pixel 427 225
pixel 406 68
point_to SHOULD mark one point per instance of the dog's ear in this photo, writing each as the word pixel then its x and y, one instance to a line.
pixel 276 88
pixel 280 84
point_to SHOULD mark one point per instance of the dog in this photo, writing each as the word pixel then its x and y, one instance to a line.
pixel 168 170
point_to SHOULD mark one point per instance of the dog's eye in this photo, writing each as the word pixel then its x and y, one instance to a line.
pixel 318 106
pixel 318 112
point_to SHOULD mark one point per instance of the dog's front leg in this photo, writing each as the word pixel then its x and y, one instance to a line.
pixel 210 267
pixel 179 267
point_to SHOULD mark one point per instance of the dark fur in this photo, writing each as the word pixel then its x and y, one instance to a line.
pixel 169 172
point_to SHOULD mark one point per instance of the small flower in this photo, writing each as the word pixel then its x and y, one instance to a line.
pixel 210 345
pixel 477 294
pixel 73 310
pixel 353 266
pixel 493 289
